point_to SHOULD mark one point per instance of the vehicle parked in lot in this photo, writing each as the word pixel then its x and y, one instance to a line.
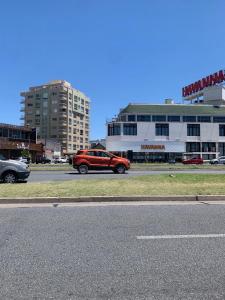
pixel 43 160
pixel 95 159
pixel 12 171
pixel 25 160
pixel 218 160
pixel 60 160
pixel 193 160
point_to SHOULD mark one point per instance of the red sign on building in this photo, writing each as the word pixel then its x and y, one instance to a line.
pixel 199 85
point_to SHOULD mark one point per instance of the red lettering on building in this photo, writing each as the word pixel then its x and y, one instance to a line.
pixel 153 147
pixel 199 85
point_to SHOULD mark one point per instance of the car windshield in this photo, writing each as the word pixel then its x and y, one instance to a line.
pixel 2 157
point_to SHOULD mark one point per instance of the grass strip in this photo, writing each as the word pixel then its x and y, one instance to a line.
pixel 179 184
pixel 134 167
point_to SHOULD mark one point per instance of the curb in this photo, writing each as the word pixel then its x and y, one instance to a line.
pixel 192 198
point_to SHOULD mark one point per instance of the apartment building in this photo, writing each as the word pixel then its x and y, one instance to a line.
pixel 59 113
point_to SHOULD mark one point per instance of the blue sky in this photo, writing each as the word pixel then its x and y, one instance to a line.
pixel 116 51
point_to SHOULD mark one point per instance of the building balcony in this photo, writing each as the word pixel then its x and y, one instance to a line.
pixel 22 118
pixel 62 106
pixel 63 101
pixel 62 132
pixel 63 114
pixel 22 109
pixel 22 101
pixel 63 95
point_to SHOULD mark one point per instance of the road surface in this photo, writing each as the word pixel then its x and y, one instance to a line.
pixel 99 251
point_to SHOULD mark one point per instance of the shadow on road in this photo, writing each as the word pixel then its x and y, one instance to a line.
pixel 93 173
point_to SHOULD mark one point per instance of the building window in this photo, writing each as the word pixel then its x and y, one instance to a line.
pixel 205 119
pixel 222 130
pixel 123 118
pixel 158 118
pixel 208 147
pixel 219 119
pixel 189 118
pixel 162 129
pixel 193 129
pixel 222 149
pixel 113 129
pixel 192 147
pixel 129 129
pixel 143 118
pixel 173 118
pixel 131 118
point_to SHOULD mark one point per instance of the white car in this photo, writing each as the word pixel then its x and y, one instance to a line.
pixel 25 160
pixel 12 171
pixel 60 160
pixel 218 160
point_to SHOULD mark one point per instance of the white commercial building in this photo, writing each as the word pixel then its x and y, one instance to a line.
pixel 162 132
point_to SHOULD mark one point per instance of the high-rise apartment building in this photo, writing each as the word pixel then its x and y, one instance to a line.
pixel 59 112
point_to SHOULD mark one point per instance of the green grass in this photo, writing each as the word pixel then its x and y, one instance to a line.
pixel 51 167
pixel 180 184
pixel 177 166
pixel 134 166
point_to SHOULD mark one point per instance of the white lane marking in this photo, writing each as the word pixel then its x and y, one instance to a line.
pixel 181 236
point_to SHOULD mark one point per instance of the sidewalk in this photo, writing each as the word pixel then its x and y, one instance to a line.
pixel 199 198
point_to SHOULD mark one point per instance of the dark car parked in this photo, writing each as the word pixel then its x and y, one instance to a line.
pixel 43 160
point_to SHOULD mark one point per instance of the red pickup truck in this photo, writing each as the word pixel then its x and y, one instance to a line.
pixel 95 159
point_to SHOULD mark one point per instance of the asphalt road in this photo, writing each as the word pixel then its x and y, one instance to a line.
pixel 40 176
pixel 95 252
